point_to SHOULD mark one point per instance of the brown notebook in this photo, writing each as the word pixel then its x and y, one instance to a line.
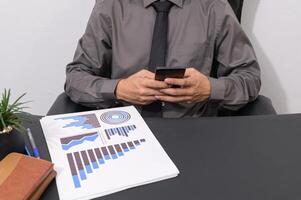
pixel 24 177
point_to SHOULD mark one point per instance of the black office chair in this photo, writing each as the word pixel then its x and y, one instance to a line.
pixel 261 106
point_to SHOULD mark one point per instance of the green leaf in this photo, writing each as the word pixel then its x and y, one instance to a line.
pixel 18 99
pixel 3 124
pixel 12 114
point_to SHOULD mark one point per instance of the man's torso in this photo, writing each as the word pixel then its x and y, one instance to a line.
pixel 191 40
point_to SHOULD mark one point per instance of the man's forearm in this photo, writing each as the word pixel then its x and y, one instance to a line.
pixel 238 88
pixel 89 90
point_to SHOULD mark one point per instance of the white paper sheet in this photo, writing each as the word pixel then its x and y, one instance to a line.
pixel 101 152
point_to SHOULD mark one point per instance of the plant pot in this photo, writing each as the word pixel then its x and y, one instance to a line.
pixel 11 142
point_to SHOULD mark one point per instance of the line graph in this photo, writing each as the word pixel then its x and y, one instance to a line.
pixel 69 142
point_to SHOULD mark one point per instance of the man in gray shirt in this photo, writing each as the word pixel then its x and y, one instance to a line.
pixel 110 62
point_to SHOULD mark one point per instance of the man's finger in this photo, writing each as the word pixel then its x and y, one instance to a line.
pixel 189 72
pixel 173 99
pixel 155 84
pixel 175 91
pixel 145 100
pixel 146 74
pixel 182 82
pixel 176 81
pixel 150 92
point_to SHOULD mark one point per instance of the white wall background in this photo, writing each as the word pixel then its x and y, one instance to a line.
pixel 38 38
pixel 274 27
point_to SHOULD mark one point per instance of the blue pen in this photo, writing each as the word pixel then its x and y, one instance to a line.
pixel 33 144
pixel 27 151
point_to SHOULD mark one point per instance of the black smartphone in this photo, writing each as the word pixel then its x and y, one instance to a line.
pixel 169 72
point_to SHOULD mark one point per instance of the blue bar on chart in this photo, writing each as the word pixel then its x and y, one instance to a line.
pixel 73 170
pixel 136 142
pixel 120 131
pixel 111 132
pixel 119 150
pixel 108 134
pixel 105 153
pixel 99 156
pixel 93 159
pixel 86 162
pixel 80 166
pixel 124 147
pixel 116 131
pixel 124 131
pixel 112 152
pixel 131 145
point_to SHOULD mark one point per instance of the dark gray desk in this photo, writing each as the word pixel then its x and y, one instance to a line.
pixel 243 158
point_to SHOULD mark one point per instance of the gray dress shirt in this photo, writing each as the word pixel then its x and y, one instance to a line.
pixel 201 34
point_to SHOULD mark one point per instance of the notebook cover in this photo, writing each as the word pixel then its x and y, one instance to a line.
pixel 21 175
pixel 39 191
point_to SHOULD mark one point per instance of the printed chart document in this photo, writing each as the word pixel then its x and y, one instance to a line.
pixel 104 151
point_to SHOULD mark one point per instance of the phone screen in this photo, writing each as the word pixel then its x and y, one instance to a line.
pixel 169 72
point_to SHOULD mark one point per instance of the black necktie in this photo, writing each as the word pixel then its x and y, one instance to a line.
pixel 158 50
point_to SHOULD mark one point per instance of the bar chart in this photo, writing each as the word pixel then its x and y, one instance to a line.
pixel 88 121
pixel 120 131
pixel 86 162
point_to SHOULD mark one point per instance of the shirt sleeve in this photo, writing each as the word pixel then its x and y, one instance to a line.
pixel 88 76
pixel 237 80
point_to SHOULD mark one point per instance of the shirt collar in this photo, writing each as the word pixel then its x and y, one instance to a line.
pixel 177 2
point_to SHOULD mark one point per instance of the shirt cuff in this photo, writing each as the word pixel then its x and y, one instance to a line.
pixel 108 88
pixel 218 88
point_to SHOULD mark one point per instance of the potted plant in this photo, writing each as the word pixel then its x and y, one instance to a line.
pixel 11 129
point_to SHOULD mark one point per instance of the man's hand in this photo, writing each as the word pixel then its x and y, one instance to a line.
pixel 194 87
pixel 140 88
